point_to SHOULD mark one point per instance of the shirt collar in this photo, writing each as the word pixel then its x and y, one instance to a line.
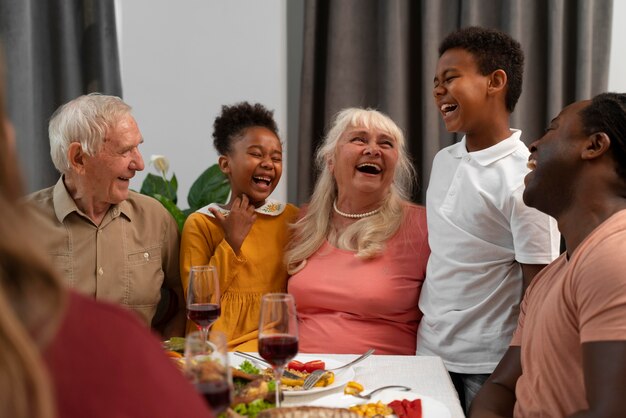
pixel 489 155
pixel 64 204
pixel 271 208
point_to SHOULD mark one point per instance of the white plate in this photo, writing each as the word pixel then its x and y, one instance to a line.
pixel 342 376
pixel 431 408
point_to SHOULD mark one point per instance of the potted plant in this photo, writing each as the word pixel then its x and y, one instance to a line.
pixel 210 187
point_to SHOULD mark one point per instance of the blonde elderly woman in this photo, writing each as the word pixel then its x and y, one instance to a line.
pixel 358 255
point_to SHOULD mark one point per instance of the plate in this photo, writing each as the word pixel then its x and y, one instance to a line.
pixel 431 408
pixel 342 376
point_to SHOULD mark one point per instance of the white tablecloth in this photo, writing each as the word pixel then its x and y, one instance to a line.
pixel 423 374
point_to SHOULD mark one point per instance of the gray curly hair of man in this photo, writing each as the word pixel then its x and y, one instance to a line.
pixel 86 120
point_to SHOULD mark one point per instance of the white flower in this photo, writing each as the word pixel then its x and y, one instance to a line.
pixel 160 163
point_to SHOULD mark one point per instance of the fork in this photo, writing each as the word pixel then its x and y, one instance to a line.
pixel 368 396
pixel 314 377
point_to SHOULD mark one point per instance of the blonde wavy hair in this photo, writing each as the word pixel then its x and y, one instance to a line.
pixel 31 296
pixel 367 236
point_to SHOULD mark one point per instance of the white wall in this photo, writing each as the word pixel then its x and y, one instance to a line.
pixel 182 60
pixel 617 68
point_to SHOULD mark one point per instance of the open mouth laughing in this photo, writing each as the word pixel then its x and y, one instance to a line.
pixel 532 163
pixel 369 168
pixel 447 108
pixel 262 180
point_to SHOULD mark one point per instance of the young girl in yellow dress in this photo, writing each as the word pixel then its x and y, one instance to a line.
pixel 245 238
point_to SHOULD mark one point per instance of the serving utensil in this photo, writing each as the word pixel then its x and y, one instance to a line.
pixel 314 377
pixel 368 396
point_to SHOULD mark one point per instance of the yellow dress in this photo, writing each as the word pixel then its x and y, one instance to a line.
pixel 244 279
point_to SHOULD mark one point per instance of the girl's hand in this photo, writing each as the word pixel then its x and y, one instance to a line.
pixel 237 224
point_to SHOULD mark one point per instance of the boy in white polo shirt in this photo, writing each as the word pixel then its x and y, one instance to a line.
pixel 486 244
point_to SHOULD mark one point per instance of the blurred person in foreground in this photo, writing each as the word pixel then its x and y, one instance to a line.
pixel 568 354
pixel 358 256
pixel 108 242
pixel 63 354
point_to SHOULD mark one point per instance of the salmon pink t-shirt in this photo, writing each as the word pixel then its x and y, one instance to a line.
pixel 569 303
pixel 347 305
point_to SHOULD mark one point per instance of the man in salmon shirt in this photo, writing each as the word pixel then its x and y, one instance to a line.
pixel 567 357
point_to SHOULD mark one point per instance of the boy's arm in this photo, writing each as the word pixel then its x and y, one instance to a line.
pixel 529 271
pixel 497 396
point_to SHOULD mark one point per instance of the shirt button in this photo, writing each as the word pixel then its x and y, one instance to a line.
pixel 467 158
pixel 146 256
pixel 116 212
pixel 100 271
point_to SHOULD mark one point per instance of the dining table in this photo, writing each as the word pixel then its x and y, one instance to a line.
pixel 425 375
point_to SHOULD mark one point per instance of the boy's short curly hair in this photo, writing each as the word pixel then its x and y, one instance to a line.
pixel 493 50
pixel 232 123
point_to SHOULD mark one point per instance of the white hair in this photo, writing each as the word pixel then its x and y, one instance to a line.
pixel 86 120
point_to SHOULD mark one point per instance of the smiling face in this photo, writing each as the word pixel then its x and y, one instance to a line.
pixel 254 165
pixel 460 91
pixel 364 161
pixel 107 174
pixel 555 162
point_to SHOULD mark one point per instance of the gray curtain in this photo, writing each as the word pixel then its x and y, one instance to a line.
pixel 383 53
pixel 54 50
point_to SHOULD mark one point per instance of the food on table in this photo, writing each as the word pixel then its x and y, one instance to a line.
pixel 372 409
pixel 173 354
pixel 407 409
pixel 298 368
pixel 250 410
pixel 296 365
pixel 175 344
pixel 307 412
pixel 253 391
pixel 308 367
pixel 352 388
pixel 289 384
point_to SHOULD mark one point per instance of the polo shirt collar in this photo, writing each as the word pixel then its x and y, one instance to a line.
pixel 488 155
pixel 271 207
pixel 64 204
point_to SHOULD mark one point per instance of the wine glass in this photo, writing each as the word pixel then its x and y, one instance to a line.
pixel 206 367
pixel 203 297
pixel 278 333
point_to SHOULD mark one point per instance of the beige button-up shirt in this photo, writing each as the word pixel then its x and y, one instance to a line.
pixel 124 260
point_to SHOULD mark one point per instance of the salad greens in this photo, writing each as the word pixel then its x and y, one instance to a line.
pixel 253 408
pixel 249 368
pixel 175 344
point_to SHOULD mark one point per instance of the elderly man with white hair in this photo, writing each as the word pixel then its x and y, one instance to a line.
pixel 107 241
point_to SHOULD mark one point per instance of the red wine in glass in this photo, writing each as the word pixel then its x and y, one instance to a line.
pixel 216 394
pixel 278 349
pixel 203 314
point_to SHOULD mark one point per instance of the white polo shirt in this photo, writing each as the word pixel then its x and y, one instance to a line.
pixel 479 230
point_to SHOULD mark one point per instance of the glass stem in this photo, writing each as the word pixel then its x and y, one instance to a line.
pixel 205 333
pixel 278 374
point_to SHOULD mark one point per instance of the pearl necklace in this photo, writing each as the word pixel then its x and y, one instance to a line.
pixel 354 215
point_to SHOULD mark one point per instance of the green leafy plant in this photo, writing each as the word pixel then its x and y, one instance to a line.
pixel 210 187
